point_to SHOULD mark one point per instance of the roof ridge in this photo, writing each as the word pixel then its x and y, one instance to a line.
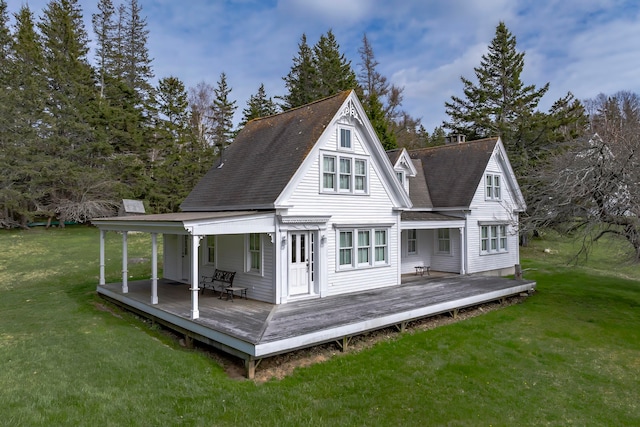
pixel 294 109
pixel 437 147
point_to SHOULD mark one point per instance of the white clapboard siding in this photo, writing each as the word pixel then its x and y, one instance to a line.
pixel 488 210
pixel 373 208
pixel 231 257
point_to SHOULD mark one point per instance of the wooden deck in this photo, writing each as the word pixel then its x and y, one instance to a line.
pixel 254 330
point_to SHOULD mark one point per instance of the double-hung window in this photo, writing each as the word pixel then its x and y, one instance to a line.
pixel 254 253
pixel 345 139
pixel 412 240
pixel 492 182
pixel 493 239
pixel 210 256
pixel 344 173
pixel 328 173
pixel 369 245
pixel 444 241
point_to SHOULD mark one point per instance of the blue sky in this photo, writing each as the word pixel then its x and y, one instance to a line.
pixel 583 46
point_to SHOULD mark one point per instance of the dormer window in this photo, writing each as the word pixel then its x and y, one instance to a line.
pixel 492 186
pixel 345 139
pixel 400 176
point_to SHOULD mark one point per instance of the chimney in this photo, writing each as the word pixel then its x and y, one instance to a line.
pixel 455 138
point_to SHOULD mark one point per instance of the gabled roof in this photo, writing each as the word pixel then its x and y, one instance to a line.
pixel 452 172
pixel 263 158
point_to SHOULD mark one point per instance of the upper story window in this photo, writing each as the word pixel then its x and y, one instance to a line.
pixel 400 176
pixel 344 174
pixel 492 182
pixel 345 139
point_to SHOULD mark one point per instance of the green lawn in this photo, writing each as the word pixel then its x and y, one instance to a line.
pixel 569 355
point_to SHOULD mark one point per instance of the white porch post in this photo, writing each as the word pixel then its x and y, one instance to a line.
pixel 463 250
pixel 154 268
pixel 195 243
pixel 125 263
pixel 103 234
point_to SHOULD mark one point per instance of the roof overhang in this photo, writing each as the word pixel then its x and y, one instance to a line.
pixel 196 223
pixel 429 220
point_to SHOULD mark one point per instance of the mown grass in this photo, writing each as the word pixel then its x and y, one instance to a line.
pixel 569 355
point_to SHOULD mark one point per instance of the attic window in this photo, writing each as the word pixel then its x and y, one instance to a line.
pixel 492 186
pixel 345 139
pixel 400 176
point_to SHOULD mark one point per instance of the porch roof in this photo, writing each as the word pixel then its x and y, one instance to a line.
pixel 429 220
pixel 198 223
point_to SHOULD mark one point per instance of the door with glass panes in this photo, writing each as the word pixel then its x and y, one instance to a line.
pixel 301 262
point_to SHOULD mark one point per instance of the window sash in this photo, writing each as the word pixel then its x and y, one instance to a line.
pixel 345 138
pixel 360 175
pixel 381 246
pixel 345 174
pixel 444 241
pixel 412 240
pixel 364 247
pixel 493 187
pixel 255 252
pixel 346 247
pixel 329 173
pixel 211 249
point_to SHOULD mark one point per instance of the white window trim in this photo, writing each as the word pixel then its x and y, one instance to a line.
pixel 352 174
pixel 247 264
pixel 492 187
pixel 500 236
pixel 438 239
pixel 355 264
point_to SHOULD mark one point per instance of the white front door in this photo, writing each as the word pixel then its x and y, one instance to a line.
pixel 186 258
pixel 301 262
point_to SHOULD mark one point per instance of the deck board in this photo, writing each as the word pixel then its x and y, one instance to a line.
pixel 276 328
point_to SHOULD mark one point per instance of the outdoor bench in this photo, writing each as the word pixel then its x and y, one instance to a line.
pixel 225 278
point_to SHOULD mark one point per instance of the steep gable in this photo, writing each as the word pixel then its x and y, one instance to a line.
pixel 453 172
pixel 263 158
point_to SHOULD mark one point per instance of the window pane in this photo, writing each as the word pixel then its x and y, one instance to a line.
pixel 345 174
pixel 293 247
pixel 381 237
pixel 329 177
pixel 345 138
pixel 360 174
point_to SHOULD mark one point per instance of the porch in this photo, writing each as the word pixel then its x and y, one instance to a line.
pixel 253 330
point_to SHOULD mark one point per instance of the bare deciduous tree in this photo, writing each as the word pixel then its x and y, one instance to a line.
pixel 593 188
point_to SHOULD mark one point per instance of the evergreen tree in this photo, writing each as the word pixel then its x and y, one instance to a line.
pixel 104 28
pixel 259 105
pixel 301 80
pixel 333 70
pixel 222 112
pixel 499 104
pixel 135 63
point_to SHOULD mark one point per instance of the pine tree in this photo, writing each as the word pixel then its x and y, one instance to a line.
pixel 104 27
pixel 333 70
pixel 301 81
pixel 500 100
pixel 222 112
pixel 136 68
pixel 259 105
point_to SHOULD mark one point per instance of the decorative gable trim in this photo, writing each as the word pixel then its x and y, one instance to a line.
pixel 350 111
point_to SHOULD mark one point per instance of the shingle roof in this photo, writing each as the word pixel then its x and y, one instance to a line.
pixel 453 172
pixel 263 158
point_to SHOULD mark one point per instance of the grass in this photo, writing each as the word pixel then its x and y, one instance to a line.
pixel 569 355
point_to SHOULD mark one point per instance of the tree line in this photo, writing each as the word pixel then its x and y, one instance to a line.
pixel 76 137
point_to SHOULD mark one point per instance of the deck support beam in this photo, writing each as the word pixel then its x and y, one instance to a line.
pixel 154 268
pixel 125 264
pixel 343 343
pixel 454 313
pixel 250 366
pixel 402 326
